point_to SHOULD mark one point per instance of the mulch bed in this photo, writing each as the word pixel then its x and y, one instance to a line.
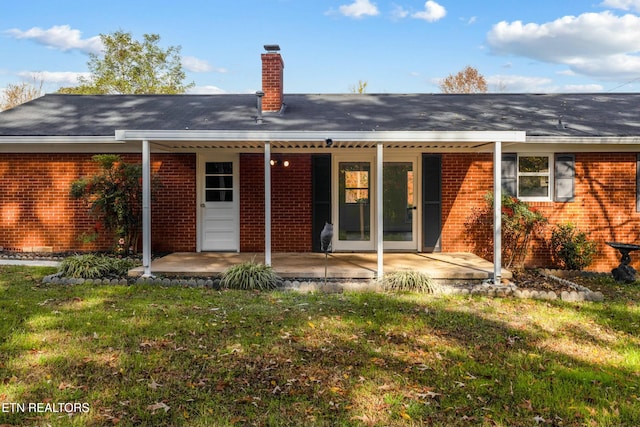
pixel 535 280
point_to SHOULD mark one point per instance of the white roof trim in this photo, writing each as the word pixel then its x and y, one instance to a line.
pixel 301 136
pixel 59 140
pixel 587 140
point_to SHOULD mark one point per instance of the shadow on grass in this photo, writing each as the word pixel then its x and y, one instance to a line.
pixel 141 355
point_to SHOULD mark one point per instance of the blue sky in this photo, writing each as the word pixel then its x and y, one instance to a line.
pixel 399 46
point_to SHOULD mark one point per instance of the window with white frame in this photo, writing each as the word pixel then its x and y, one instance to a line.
pixel 534 177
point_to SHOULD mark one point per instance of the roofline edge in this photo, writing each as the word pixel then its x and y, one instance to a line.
pixel 308 136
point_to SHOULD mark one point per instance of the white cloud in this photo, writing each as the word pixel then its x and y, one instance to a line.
pixel 63 78
pixel 582 88
pixel 518 84
pixel 398 12
pixel 206 90
pixel 600 45
pixel 61 37
pixel 622 4
pixel 432 12
pixel 359 8
pixel 196 65
pixel 508 83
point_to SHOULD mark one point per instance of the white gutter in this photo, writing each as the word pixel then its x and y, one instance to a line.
pixel 584 140
pixel 365 136
pixel 59 140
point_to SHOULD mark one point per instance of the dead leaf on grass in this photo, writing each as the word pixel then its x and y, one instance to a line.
pixel 428 395
pixel 154 385
pixel 64 386
pixel 365 419
pixel 157 406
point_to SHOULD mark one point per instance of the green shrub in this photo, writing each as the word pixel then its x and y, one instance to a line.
pixel 572 250
pixel 249 275
pixel 92 266
pixel 520 224
pixel 408 281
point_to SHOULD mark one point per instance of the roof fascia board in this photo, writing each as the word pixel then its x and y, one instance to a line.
pixel 59 140
pixel 369 136
pixel 585 140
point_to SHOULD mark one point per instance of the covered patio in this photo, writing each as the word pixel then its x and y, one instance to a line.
pixel 363 265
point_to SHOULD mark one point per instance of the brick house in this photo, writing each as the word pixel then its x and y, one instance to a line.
pixel 263 172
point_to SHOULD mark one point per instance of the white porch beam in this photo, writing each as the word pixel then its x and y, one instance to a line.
pixel 146 208
pixel 337 136
pixel 267 203
pixel 497 212
pixel 379 215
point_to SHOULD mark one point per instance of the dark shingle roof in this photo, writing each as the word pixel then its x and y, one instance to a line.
pixel 596 114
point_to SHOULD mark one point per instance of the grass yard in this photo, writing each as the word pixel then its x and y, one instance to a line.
pixel 155 356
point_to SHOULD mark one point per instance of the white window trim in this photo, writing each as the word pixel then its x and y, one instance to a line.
pixel 549 197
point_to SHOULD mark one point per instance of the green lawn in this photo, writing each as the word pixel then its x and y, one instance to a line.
pixel 156 356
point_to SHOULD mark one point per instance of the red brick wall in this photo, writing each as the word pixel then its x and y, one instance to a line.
pixel 173 209
pixel 605 204
pixel 290 204
pixel 37 211
pixel 466 179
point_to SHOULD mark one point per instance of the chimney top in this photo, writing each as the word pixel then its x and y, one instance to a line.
pixel 272 48
pixel 272 78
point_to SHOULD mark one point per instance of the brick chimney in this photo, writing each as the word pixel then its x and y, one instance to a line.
pixel 272 78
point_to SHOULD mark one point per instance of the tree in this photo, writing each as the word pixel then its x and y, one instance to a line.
pixel 114 197
pixel 360 88
pixel 16 94
pixel 468 80
pixel 132 67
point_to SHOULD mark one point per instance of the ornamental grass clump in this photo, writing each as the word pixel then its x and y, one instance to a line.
pixel 91 266
pixel 250 276
pixel 408 281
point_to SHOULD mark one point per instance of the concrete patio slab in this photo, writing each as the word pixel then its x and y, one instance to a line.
pixel 362 265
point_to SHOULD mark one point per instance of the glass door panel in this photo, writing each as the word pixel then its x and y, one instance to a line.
pixel 399 211
pixel 354 193
pixel 398 201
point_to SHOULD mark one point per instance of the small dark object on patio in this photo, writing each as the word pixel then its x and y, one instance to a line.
pixel 624 272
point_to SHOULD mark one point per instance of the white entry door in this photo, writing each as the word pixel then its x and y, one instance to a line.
pixel 219 224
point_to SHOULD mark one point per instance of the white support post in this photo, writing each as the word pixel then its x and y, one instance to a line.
pixel 146 209
pixel 497 212
pixel 379 204
pixel 267 203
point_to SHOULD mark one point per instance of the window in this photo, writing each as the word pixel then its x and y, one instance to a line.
pixel 356 189
pixel 534 177
pixel 219 182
